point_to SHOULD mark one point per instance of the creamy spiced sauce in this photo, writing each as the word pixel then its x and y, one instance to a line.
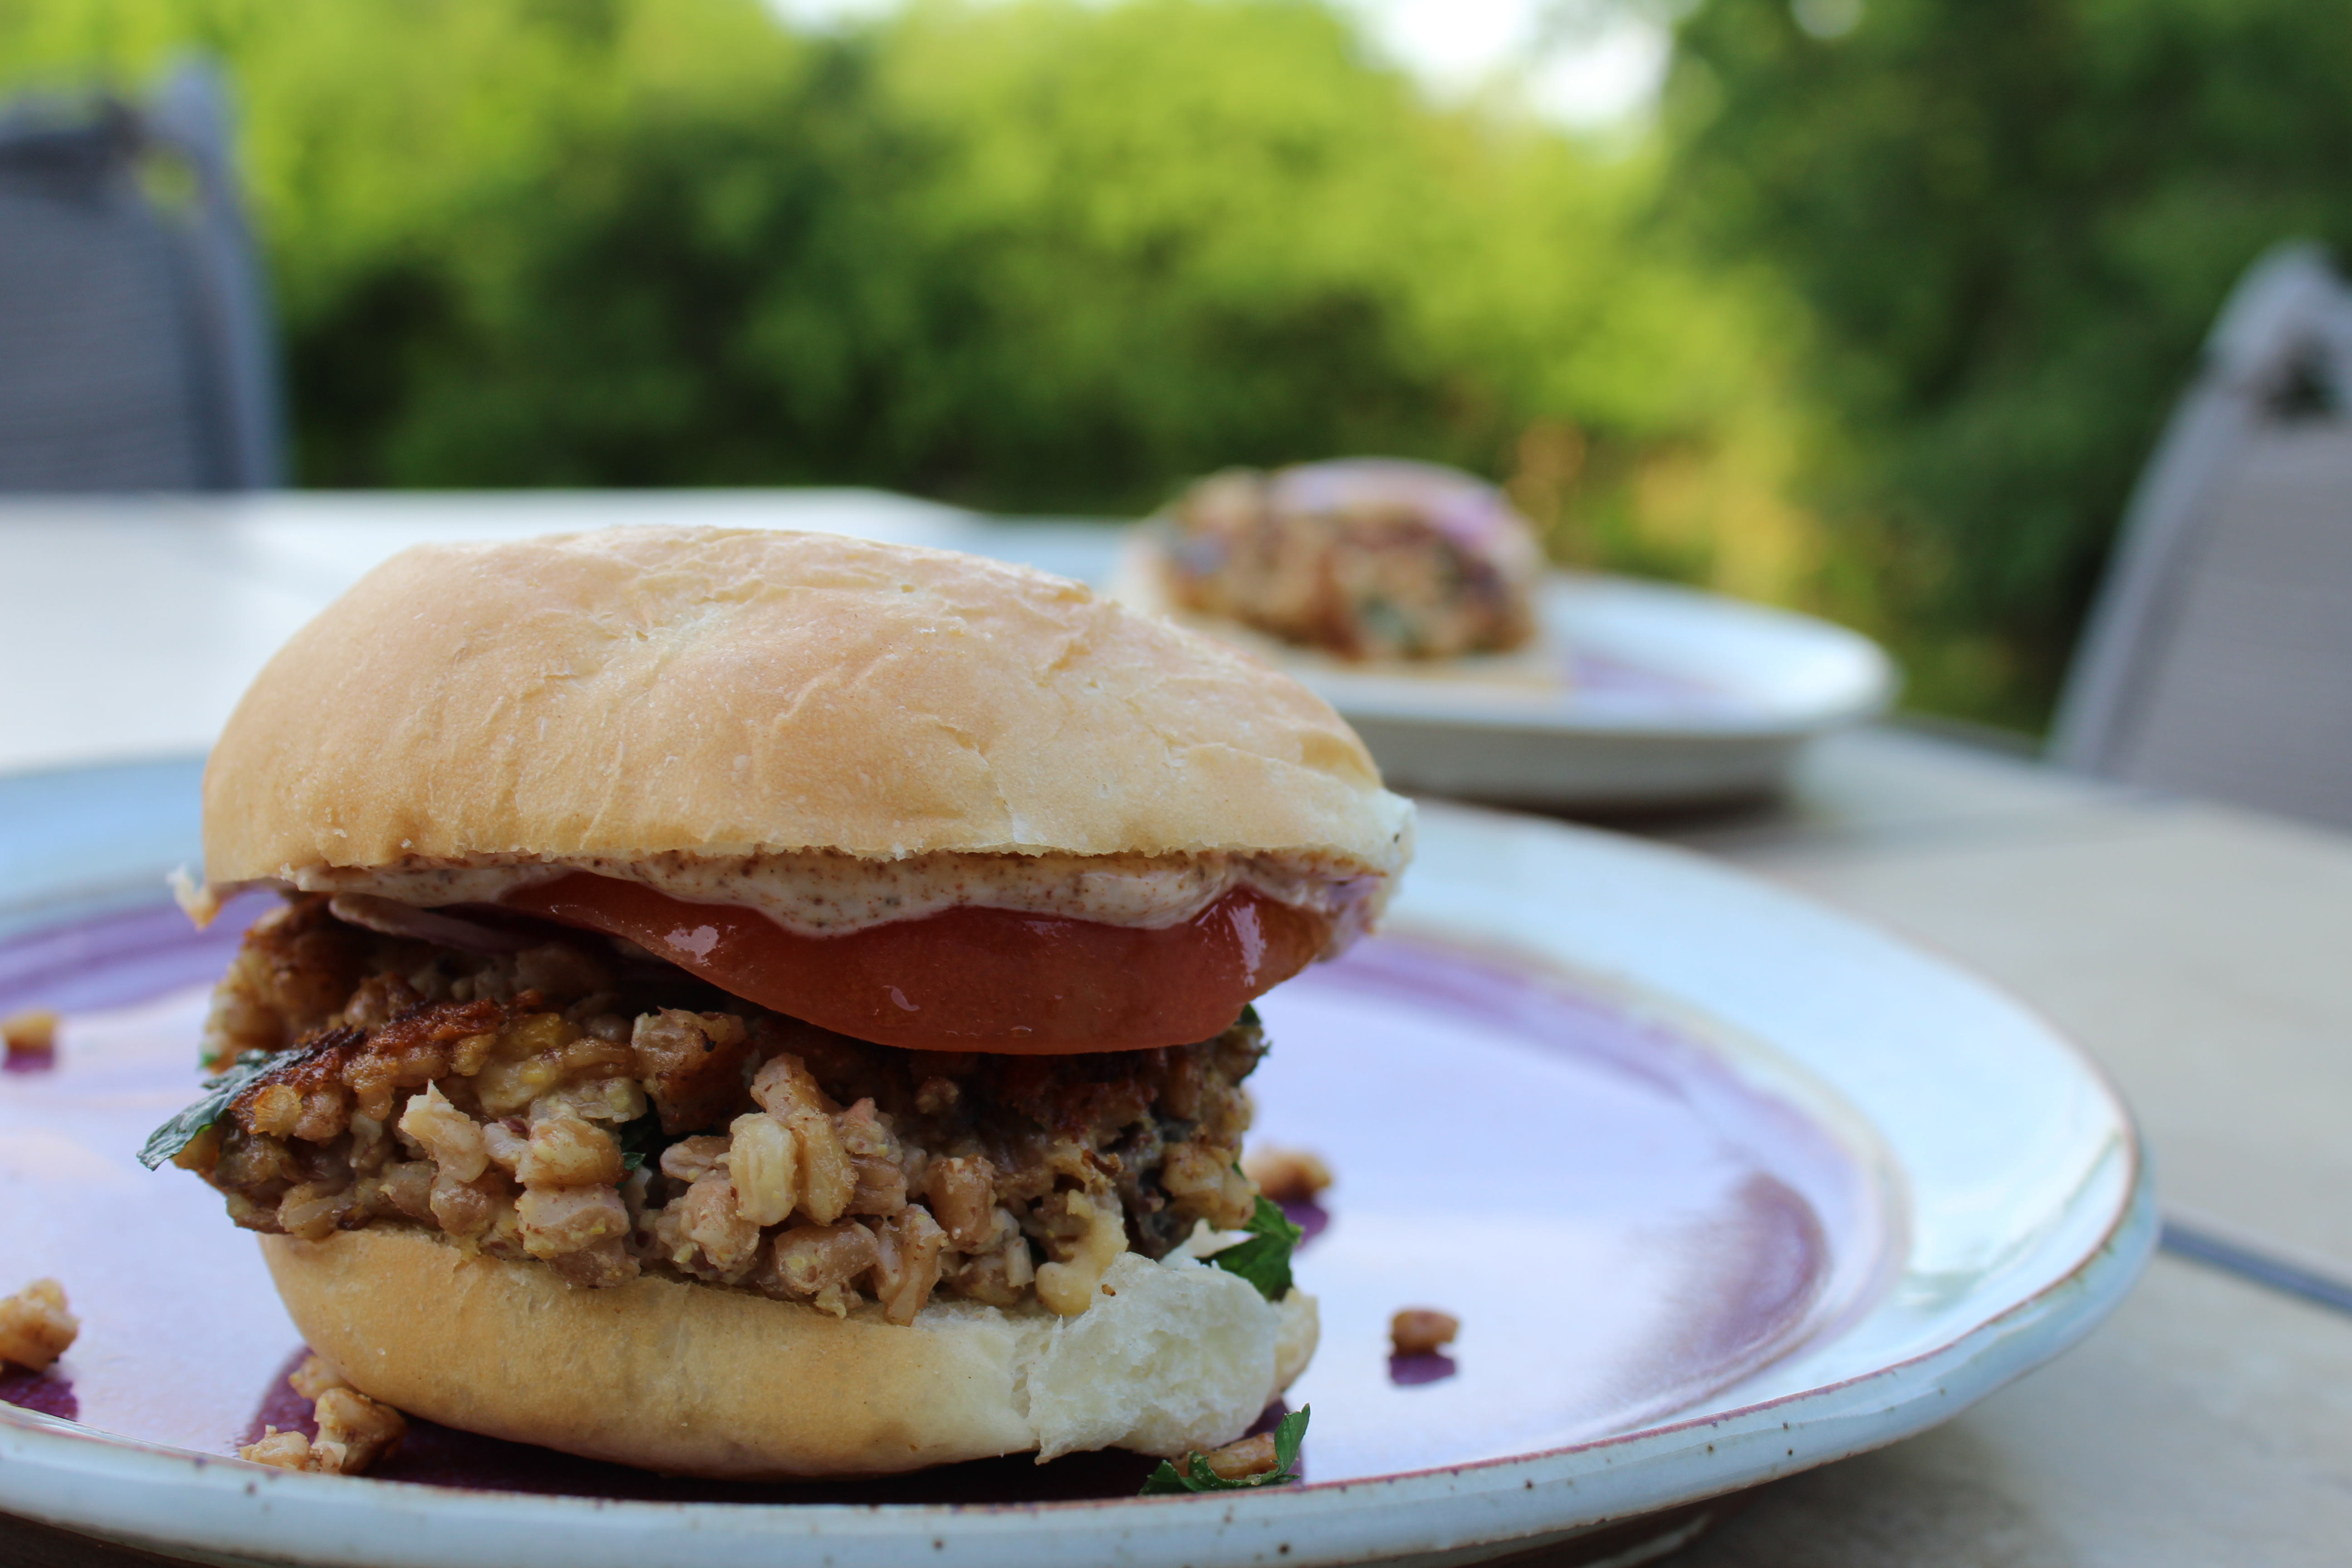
pixel 823 893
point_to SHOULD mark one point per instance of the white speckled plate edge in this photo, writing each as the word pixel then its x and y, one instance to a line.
pixel 1725 695
pixel 1782 679
pixel 2030 1219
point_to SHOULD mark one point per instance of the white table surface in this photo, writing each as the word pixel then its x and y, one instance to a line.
pixel 2203 955
pixel 129 628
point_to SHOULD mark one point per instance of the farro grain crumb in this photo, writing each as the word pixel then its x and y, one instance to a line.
pixel 355 1433
pixel 30 1033
pixel 279 1450
pixel 34 1326
pixel 314 1377
pixel 1419 1330
pixel 1249 1456
pixel 361 1431
pixel 1287 1175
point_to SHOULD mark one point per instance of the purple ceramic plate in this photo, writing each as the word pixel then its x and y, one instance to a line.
pixel 1700 1168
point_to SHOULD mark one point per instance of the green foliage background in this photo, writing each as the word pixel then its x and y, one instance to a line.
pixel 2011 223
pixel 1880 325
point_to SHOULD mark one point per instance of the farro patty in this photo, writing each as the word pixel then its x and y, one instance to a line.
pixel 575 1102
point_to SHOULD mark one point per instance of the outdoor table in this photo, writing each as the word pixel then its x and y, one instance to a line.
pixel 2199 953
pixel 2203 956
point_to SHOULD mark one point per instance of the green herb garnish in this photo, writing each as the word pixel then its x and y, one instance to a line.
pixel 189 1125
pixel 641 1141
pixel 1265 1258
pixel 1196 1475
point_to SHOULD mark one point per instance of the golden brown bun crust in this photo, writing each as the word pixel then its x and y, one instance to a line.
pixel 700 1380
pixel 722 692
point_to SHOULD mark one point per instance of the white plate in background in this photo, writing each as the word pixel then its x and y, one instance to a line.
pixel 1634 694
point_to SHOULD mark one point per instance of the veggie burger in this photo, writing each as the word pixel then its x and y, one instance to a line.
pixel 769 1004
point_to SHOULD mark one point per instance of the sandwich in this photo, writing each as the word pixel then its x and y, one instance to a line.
pixel 1367 561
pixel 761 1005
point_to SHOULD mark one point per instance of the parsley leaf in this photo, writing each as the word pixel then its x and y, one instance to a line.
pixel 641 1141
pixel 1265 1258
pixel 1196 1475
pixel 186 1128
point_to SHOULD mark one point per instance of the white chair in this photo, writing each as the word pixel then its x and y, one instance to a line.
pixel 135 341
pixel 2217 661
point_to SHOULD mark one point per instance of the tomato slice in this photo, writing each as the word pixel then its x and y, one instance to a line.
pixel 966 979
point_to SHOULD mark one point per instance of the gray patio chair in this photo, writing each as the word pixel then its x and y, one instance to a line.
pixel 135 344
pixel 2218 660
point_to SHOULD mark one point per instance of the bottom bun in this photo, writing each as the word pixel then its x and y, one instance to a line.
pixel 702 1379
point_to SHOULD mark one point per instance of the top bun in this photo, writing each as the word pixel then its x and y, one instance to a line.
pixel 724 692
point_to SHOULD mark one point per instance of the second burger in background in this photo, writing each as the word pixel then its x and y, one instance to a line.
pixel 1368 560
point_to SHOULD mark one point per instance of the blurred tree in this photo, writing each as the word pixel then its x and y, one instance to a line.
pixel 1035 255
pixel 1045 254
pixel 2014 221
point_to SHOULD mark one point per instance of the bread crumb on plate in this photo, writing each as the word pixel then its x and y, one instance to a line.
pixel 355 1433
pixel 35 1326
pixel 30 1033
pixel 1421 1331
pixel 1287 1175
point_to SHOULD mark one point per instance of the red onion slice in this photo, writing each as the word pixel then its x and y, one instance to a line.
pixel 392 917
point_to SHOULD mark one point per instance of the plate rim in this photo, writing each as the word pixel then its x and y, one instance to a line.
pixel 1383 699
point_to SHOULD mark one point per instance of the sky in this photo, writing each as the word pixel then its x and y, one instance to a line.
pixel 1600 74
pixel 1603 73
